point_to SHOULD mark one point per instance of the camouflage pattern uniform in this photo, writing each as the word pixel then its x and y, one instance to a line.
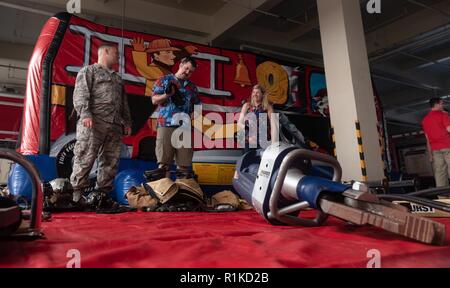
pixel 99 95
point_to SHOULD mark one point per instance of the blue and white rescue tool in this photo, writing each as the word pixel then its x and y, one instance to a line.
pixel 282 181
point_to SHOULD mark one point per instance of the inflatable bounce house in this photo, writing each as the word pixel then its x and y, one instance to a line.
pixel 224 78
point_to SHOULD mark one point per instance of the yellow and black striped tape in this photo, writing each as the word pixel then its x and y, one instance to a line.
pixel 362 158
pixel 383 155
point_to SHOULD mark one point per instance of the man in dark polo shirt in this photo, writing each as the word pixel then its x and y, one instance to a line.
pixel 436 126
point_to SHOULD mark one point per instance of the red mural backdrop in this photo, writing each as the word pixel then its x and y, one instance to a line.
pixel 224 78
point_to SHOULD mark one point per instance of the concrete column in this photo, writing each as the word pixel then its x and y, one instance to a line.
pixel 350 90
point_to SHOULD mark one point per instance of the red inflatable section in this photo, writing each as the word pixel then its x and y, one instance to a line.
pixel 31 115
pixel 209 240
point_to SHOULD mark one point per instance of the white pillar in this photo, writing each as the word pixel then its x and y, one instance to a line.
pixel 350 90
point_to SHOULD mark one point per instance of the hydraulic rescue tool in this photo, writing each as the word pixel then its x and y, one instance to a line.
pixel 11 216
pixel 283 180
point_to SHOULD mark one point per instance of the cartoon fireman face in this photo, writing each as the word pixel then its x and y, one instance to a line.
pixel 162 51
pixel 166 57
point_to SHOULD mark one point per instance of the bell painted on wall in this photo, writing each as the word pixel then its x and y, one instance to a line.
pixel 242 77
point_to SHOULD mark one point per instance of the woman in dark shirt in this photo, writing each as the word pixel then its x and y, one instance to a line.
pixel 256 112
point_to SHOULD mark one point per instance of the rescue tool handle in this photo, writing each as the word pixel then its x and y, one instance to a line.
pixel 289 162
pixel 36 186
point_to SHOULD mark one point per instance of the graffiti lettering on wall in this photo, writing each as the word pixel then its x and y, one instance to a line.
pixel 160 51
pixel 155 58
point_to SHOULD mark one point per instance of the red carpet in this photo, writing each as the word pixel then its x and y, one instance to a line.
pixel 240 239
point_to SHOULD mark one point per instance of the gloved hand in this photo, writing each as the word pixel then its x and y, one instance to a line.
pixel 177 98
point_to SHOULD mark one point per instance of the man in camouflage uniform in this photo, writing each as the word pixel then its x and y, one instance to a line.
pixel 104 116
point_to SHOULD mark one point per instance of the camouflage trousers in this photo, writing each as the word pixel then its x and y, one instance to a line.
pixel 103 142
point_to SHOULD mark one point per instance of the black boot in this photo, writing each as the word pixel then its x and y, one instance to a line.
pixel 100 202
pixel 185 174
pixel 156 174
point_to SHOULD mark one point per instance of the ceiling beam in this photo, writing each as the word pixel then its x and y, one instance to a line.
pixel 410 99
pixel 412 119
pixel 27 9
pixel 404 81
pixel 267 37
pixel 232 13
pixel 425 79
pixel 142 11
pixel 403 30
pixel 424 60
pixel 304 29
